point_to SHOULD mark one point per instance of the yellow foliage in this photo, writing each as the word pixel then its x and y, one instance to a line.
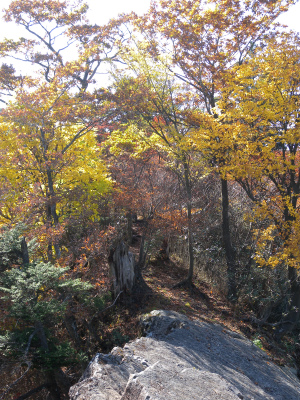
pixel 45 151
pixel 256 139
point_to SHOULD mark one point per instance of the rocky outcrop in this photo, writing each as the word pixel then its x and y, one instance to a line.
pixel 181 359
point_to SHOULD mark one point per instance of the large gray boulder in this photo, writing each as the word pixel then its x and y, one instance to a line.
pixel 179 359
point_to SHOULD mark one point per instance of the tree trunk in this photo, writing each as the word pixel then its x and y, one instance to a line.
pixel 122 267
pixel 190 229
pixel 229 250
pixel 52 216
pixel 52 386
pixel 62 381
pixel 188 188
pixel 292 317
pixel 24 250
pixel 71 325
pixel 140 286
pixel 142 257
pixel 42 336
pixel 295 295
pixel 294 303
pixel 293 313
pixel 129 227
pixel 51 211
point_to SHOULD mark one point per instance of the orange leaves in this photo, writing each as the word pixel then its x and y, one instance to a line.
pixel 206 39
pixel 173 220
pixel 88 259
pixel 159 120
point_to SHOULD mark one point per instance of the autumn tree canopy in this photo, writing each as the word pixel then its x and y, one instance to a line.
pixel 201 94
pixel 54 110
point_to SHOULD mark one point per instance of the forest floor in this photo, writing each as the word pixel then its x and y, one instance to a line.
pixel 120 323
pixel 202 302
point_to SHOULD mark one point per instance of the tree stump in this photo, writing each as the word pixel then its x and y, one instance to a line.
pixel 122 269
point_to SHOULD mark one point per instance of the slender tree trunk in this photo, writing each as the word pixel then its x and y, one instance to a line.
pixel 190 229
pixel 294 313
pixel 129 227
pixel 52 216
pixel 294 305
pixel 52 386
pixel 190 247
pixel 140 284
pixel 49 223
pixel 229 250
pixel 142 256
pixel 51 211
pixel 42 336
pixel 71 325
pixel 24 250
pixel 50 375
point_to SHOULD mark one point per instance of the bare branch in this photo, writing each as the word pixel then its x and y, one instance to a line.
pixel 28 363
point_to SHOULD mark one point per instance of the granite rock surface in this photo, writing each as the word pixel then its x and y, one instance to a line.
pixel 180 359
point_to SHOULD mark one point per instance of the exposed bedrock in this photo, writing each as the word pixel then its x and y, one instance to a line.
pixel 180 359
